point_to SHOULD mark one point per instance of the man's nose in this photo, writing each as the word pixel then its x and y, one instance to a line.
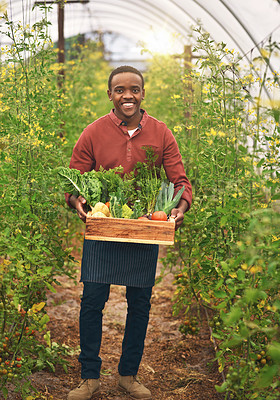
pixel 127 94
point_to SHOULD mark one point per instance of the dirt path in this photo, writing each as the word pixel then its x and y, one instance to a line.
pixel 173 366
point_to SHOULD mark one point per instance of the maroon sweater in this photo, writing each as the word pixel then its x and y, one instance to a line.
pixel 107 143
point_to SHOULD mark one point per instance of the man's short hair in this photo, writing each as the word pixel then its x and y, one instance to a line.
pixel 124 68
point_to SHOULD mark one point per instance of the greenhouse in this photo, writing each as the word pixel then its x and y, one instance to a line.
pixel 140 223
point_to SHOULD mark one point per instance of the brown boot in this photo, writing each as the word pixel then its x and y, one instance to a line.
pixel 132 386
pixel 86 390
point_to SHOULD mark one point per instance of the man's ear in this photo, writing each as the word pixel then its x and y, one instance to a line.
pixel 109 93
pixel 143 94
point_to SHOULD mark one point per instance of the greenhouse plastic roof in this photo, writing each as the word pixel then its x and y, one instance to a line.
pixel 243 25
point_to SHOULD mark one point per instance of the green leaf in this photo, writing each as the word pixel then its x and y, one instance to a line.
pixel 50 365
pixel 222 388
pixel 276 196
pixel 223 220
pixel 234 341
pixel 47 338
pixel 5 392
pixel 50 287
pixel 266 376
pixel 44 320
pixel 233 316
pixel 220 294
pixel 241 275
pixel 219 284
pixel 274 352
pixel 260 163
pixel 165 201
pixel 70 179
pixel 252 295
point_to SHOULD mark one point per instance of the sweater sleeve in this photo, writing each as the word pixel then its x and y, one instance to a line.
pixel 82 156
pixel 174 168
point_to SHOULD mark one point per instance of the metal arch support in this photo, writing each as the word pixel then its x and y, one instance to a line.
pixel 230 35
pixel 213 17
pixel 156 17
pixel 245 29
pixel 159 10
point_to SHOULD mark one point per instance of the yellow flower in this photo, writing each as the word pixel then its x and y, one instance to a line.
pixel 213 132
pixel 264 53
pixel 244 267
pixel 36 308
pixel 177 128
pixel 275 238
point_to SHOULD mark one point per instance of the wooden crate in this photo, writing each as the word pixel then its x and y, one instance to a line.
pixel 130 230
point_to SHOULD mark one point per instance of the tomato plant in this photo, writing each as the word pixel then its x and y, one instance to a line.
pixel 225 257
pixel 32 251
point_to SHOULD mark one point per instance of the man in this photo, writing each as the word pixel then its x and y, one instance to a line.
pixel 113 140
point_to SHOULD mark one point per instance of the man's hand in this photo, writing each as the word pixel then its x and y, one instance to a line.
pixel 79 203
pixel 178 213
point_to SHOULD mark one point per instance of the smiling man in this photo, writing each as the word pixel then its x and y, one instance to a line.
pixel 126 90
pixel 113 140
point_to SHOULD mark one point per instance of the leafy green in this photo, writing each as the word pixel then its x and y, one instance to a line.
pixel 111 180
pixel 138 210
pixel 86 185
pixel 117 200
pixel 91 188
pixel 70 180
pixel 126 211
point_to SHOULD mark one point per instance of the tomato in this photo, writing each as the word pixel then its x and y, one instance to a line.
pixel 107 204
pixel 159 216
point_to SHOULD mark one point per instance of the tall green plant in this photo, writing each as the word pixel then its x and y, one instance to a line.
pixel 32 251
pixel 85 90
pixel 229 142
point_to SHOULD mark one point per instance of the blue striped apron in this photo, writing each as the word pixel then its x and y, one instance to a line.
pixel 119 263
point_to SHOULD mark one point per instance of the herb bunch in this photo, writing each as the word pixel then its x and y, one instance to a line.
pixel 147 181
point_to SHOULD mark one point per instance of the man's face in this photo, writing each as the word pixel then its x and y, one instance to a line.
pixel 126 93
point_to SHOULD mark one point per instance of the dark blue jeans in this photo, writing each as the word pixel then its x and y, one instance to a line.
pixel 94 298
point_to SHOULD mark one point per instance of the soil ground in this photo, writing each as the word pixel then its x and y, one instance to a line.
pixel 173 366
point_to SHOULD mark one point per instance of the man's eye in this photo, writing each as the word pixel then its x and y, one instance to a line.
pixel 136 90
pixel 119 90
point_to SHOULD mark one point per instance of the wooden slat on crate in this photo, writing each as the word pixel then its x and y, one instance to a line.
pixel 130 230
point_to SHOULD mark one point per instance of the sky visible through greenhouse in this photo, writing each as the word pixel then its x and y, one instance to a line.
pixel 161 26
pixel 132 30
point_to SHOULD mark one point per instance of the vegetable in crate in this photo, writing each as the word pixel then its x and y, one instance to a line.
pixel 111 180
pixel 165 201
pixel 86 185
pixel 148 179
pixel 100 208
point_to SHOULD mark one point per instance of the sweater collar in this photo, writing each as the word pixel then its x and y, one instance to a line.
pixel 119 122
